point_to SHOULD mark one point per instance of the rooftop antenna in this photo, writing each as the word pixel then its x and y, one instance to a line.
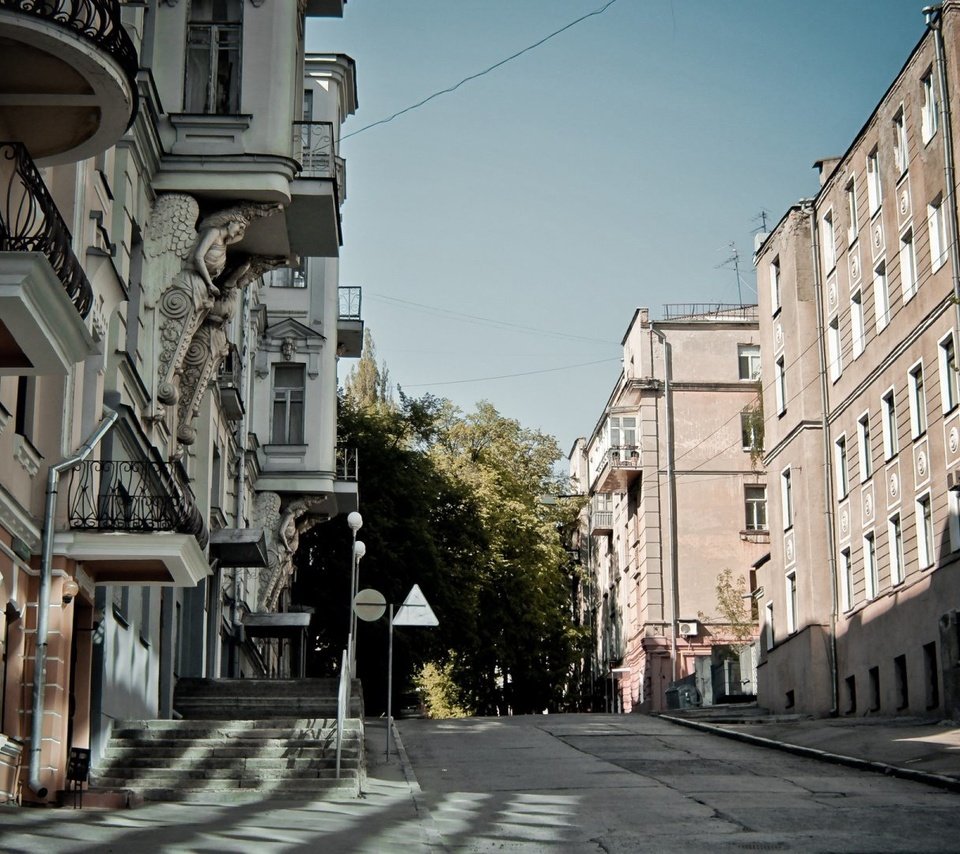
pixel 762 219
pixel 735 260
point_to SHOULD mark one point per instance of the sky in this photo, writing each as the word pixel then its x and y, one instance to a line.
pixel 504 234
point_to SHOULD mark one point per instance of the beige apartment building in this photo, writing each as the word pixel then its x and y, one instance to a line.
pixel 859 316
pixel 167 414
pixel 676 497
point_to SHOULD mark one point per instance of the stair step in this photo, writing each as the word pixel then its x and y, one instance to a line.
pixel 177 762
pixel 192 776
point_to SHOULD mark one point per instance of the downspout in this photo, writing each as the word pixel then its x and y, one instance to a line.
pixel 43 598
pixel 810 207
pixel 934 24
pixel 671 497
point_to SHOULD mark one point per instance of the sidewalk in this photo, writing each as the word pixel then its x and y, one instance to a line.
pixel 914 749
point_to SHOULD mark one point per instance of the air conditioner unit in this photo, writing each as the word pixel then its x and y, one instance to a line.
pixel 953 481
pixel 688 628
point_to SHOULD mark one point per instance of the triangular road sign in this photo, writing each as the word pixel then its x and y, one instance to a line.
pixel 415 611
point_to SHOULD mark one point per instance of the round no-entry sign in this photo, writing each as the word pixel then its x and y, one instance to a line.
pixel 369 605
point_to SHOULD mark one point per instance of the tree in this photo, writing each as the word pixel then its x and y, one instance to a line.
pixel 734 612
pixel 368 384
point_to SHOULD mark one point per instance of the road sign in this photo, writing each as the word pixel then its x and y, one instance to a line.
pixel 415 611
pixel 369 605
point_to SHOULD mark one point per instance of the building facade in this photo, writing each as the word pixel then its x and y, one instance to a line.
pixel 157 161
pixel 859 320
pixel 675 498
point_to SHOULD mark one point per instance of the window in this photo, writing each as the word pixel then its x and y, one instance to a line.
pixel 895 536
pixel 751 430
pixel 865 451
pixel 870 574
pixel 931 671
pixel 749 359
pixel 918 401
pixel 908 265
pixel 928 110
pixel 949 389
pixel 623 431
pixel 834 352
pixel 924 531
pixel 900 681
pixel 846 579
pixel 781 386
pixel 953 518
pixel 881 296
pixel 829 241
pixel 775 284
pixel 851 683
pixel 288 386
pixel 874 675
pixel 755 497
pixel 874 191
pixel 888 410
pixel 292 277
pixel 768 624
pixel 901 156
pixel 856 323
pixel 937 226
pixel 791 602
pixel 786 498
pixel 840 467
pixel 853 227
pixel 25 410
pixel 212 78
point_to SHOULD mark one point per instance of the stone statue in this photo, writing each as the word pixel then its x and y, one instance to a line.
pixel 209 345
pixel 202 253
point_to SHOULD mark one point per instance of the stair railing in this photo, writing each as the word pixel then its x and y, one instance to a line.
pixel 343 702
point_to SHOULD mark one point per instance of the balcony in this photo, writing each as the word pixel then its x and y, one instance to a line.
pixel 313 217
pixel 228 382
pixel 67 77
pixel 350 323
pixel 133 522
pixel 346 484
pixel 44 294
pixel 601 523
pixel 619 468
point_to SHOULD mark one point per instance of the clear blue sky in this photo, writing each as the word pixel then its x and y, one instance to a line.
pixel 608 169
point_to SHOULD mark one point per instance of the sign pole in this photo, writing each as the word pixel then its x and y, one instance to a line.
pixel 389 676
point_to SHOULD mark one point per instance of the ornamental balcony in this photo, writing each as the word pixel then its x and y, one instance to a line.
pixel 313 218
pixel 601 522
pixel 228 382
pixel 44 293
pixel 619 468
pixel 133 522
pixel 346 484
pixel 67 77
pixel 350 323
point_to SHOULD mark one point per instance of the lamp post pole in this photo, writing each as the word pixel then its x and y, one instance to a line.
pixel 354 523
pixel 359 550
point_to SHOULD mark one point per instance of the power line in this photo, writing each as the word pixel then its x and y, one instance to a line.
pixel 492 321
pixel 493 67
pixel 510 376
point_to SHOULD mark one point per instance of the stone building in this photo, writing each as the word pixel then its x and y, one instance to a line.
pixel 157 160
pixel 859 315
pixel 676 498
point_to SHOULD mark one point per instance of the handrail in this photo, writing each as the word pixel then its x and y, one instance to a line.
pixel 314 147
pixel 348 466
pixel 349 297
pixel 343 700
pixel 95 21
pixel 31 222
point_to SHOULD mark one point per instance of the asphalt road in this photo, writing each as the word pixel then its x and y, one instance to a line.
pixel 598 783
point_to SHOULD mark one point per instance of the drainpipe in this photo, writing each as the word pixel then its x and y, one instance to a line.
pixel 43 599
pixel 810 207
pixel 671 497
pixel 934 24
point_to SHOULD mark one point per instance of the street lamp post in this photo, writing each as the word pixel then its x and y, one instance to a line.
pixel 359 550
pixel 354 523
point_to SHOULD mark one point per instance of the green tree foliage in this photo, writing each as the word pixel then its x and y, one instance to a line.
pixel 439 691
pixel 368 384
pixel 451 502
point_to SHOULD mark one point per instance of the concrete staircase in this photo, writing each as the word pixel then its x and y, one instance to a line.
pixel 238 738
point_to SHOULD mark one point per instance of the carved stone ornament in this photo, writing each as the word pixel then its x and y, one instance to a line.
pixel 894 485
pixel 868 506
pixel 202 252
pixel 778 335
pixel 844 521
pixel 877 237
pixel 789 550
pixel 855 266
pixel 832 292
pixel 209 345
pixel 904 202
pixel 922 464
pixel 288 348
pixel 954 440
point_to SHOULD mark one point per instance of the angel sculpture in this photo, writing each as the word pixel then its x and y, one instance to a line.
pixel 199 253
pixel 209 345
pixel 298 517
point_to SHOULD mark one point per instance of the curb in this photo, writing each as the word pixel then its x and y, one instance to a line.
pixel 940 780
pixel 433 837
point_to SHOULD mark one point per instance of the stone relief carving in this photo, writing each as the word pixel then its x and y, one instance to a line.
pixel 209 345
pixel 202 253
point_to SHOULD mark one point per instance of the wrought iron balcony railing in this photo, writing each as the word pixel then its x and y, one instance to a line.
pixel 30 222
pixel 134 497
pixel 623 456
pixel 315 147
pixel 350 302
pixel 709 311
pixel 96 21
pixel 347 463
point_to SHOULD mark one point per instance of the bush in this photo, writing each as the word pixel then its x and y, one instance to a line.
pixel 439 692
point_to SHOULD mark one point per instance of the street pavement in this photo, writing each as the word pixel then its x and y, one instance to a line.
pixel 572 783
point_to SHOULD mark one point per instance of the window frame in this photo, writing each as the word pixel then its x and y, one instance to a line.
pixel 871 575
pixel 847 595
pixel 828 239
pixel 841 469
pixel 917 399
pixel 748 355
pixel 793 605
pixel 285 396
pixel 864 447
pixel 895 547
pixel 874 183
pixel 901 149
pixel 937 230
pixel 775 282
pixel 786 498
pixel 858 329
pixel 923 509
pixel 929 108
pixel 853 227
pixel 222 36
pixel 888 423
pixel 834 349
pixel 780 385
pixel 949 376
pixel 754 508
pixel 881 295
pixel 909 283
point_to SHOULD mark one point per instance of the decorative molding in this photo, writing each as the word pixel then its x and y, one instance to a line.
pixel 27 455
pixel 18 521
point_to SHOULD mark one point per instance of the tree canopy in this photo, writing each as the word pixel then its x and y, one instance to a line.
pixel 452 502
